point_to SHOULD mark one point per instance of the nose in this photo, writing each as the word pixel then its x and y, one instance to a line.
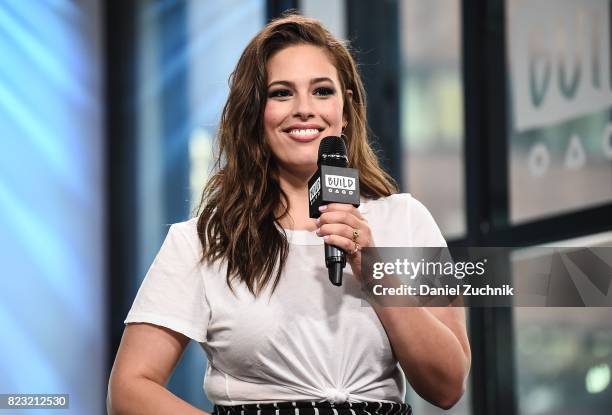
pixel 303 108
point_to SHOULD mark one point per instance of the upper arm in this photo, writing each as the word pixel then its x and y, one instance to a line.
pixel 147 351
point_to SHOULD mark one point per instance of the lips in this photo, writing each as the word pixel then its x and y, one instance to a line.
pixel 303 132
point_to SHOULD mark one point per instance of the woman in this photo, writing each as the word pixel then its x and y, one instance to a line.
pixel 246 278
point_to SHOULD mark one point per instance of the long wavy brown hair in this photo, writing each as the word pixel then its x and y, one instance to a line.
pixel 239 210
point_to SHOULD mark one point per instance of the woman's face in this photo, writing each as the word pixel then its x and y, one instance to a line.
pixel 304 104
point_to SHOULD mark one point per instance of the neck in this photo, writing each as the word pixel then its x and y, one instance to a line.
pixel 295 187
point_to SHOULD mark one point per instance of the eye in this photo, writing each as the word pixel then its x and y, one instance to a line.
pixel 324 91
pixel 279 93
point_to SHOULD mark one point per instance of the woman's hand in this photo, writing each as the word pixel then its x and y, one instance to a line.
pixel 343 226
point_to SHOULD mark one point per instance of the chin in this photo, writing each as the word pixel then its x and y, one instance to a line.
pixel 303 167
pixel 303 159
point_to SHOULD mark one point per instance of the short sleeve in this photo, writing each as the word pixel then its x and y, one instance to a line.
pixel 172 293
pixel 425 230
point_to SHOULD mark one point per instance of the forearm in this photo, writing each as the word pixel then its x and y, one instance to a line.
pixel 432 357
pixel 140 396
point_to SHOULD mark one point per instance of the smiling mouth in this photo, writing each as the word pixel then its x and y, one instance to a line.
pixel 303 134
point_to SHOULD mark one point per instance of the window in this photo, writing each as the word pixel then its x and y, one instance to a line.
pixel 560 120
pixel 432 109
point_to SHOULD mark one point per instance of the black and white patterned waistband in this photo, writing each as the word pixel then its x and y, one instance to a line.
pixel 316 408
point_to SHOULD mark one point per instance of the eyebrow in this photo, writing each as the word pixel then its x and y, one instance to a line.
pixel 292 85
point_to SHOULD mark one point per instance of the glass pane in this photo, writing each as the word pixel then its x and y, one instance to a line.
pixel 560 92
pixel 215 47
pixel 563 357
pixel 331 14
pixel 563 360
pixel 432 109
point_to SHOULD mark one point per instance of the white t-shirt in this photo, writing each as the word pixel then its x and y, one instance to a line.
pixel 310 340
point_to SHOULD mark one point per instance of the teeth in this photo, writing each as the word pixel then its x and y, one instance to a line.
pixel 304 132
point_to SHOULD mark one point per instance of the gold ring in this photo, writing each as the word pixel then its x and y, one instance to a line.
pixel 355 235
pixel 356 249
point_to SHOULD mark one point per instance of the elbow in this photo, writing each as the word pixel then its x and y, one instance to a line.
pixel 443 388
pixel 450 397
pixel 452 391
pixel 454 386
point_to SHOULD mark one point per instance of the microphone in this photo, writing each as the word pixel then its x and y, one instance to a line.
pixel 333 182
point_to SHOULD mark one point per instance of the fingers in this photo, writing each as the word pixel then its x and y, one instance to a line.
pixel 346 218
pixel 340 236
pixel 347 245
pixel 341 207
pixel 336 229
pixel 343 226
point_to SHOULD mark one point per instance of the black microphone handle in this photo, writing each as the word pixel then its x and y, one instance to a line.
pixel 335 261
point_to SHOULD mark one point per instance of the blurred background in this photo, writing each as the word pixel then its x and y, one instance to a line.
pixel 495 114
